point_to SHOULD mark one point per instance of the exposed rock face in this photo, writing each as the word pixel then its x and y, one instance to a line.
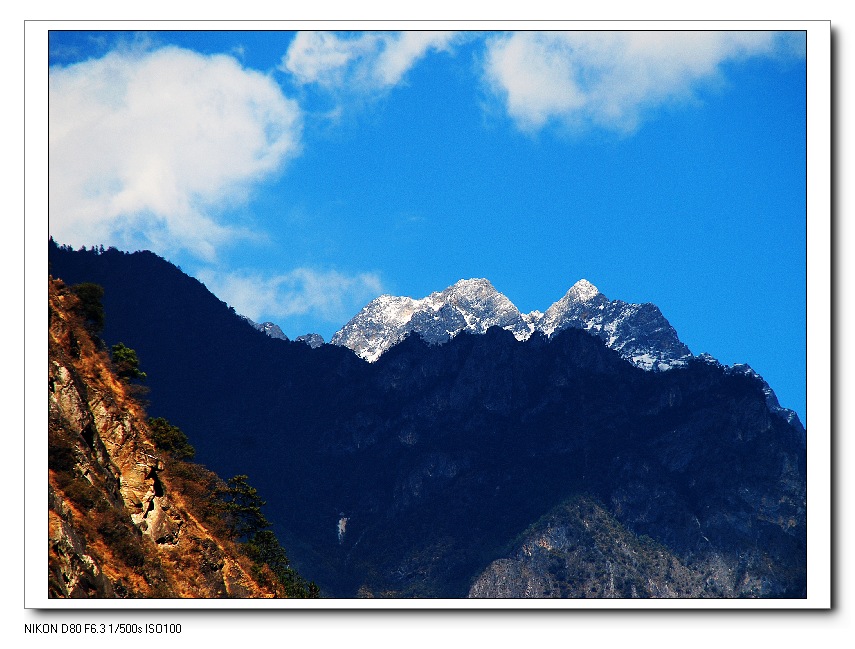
pixel 116 527
pixel 639 332
pixel 470 305
pixel 580 550
pixel 790 416
pixel 312 340
pixel 73 570
pixel 271 329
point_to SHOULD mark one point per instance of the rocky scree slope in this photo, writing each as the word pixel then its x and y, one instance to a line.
pixel 121 520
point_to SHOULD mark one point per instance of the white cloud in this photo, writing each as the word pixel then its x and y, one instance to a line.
pixel 367 62
pixel 146 147
pixel 608 79
pixel 330 295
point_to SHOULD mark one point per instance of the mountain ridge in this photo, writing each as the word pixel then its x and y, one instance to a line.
pixel 638 331
pixel 409 476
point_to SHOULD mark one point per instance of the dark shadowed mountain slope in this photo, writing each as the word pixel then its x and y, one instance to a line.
pixel 410 476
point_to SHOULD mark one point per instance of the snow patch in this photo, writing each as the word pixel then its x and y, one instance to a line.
pixel 474 305
pixel 583 291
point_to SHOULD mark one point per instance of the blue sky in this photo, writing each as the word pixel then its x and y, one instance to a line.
pixel 301 175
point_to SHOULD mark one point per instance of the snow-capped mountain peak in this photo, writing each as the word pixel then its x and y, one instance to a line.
pixel 313 340
pixel 582 291
pixel 638 332
pixel 472 305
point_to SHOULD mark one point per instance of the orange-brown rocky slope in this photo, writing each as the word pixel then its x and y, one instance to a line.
pixel 125 520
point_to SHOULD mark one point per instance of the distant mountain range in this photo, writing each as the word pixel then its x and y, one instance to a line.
pixel 639 332
pixel 522 457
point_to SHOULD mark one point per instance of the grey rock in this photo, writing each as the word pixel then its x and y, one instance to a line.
pixel 312 340
pixel 639 332
pixel 471 305
pixel 269 328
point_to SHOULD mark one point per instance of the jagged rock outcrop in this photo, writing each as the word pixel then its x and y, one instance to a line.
pixel 273 330
pixel 639 332
pixel 312 340
pixel 790 416
pixel 580 550
pixel 470 305
pixel 270 328
pixel 117 526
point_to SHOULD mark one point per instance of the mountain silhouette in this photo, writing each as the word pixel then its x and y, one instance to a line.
pixel 413 475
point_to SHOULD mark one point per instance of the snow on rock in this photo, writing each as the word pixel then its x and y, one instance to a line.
pixel 639 332
pixel 472 305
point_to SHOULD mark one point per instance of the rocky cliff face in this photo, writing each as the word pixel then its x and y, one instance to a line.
pixel 313 340
pixel 639 332
pixel 470 305
pixel 270 328
pixel 119 523
pixel 580 550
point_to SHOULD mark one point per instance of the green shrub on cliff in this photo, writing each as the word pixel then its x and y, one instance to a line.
pixel 171 439
pixel 126 363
